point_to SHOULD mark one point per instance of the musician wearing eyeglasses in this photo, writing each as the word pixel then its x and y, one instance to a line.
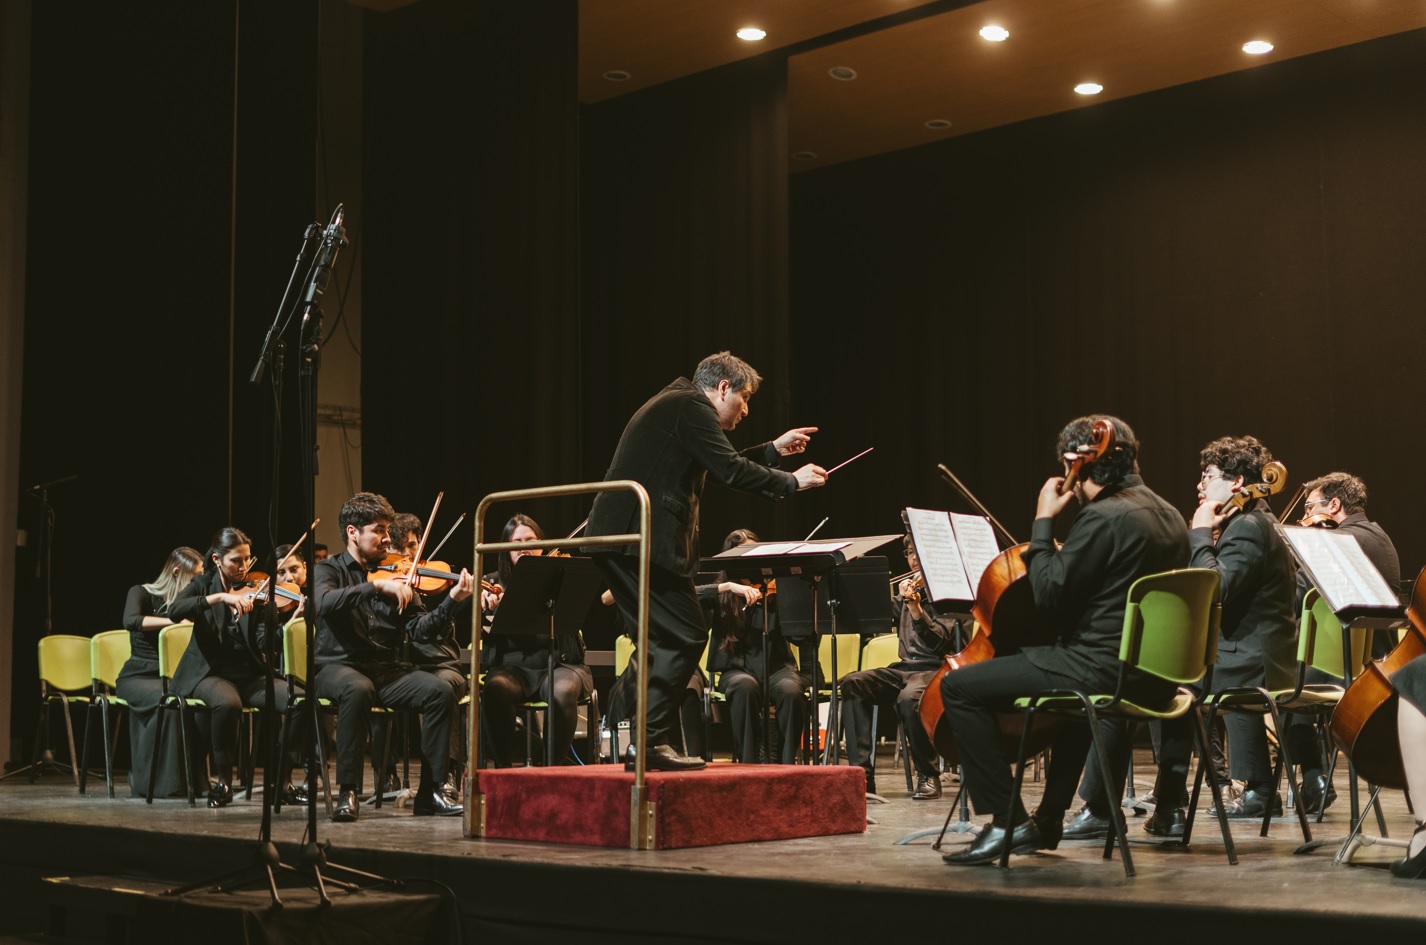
pixel 1337 500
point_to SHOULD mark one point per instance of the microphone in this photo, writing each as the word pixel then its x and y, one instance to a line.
pixel 334 237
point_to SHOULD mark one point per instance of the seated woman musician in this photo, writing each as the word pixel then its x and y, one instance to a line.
pixel 146 612
pixel 739 652
pixel 517 666
pixel 225 663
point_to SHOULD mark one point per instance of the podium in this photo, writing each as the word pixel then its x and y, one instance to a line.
pixel 547 597
pixel 813 587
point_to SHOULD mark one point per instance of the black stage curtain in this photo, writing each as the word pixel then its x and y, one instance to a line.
pixel 684 226
pixel 135 374
pixel 471 379
pixel 1238 256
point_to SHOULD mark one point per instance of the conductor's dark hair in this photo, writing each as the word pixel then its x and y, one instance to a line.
pixel 1113 466
pixel 724 366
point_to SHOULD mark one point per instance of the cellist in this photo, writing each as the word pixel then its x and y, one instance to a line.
pixel 1410 684
pixel 1123 532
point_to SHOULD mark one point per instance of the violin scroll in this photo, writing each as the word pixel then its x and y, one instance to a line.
pixel 1101 442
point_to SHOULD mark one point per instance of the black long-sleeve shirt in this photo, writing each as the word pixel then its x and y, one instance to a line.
pixel 358 625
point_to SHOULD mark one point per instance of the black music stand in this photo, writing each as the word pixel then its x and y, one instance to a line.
pixel 1363 601
pixel 811 562
pixel 547 597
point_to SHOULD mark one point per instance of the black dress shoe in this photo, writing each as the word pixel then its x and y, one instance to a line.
pixel 1166 822
pixel 221 795
pixel 434 803
pixel 1412 867
pixel 1251 805
pixel 991 843
pixel 294 794
pixel 347 808
pixel 1317 794
pixel 1087 825
pixel 665 758
pixel 927 788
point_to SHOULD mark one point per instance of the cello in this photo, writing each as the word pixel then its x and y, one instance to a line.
pixel 1005 599
pixel 1364 722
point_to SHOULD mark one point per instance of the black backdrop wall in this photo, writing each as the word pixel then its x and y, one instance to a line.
pixel 1239 256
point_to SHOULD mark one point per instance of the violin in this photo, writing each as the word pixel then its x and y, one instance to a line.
pixel 287 596
pixel 1317 520
pixel 1274 479
pixel 429 577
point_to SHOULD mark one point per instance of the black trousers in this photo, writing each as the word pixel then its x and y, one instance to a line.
pixel 744 692
pixel 225 699
pixel 396 686
pixel 508 686
pixel 887 685
pixel 678 631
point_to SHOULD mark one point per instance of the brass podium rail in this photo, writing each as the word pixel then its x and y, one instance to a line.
pixel 641 811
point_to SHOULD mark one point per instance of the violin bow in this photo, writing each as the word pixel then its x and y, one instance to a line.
pixel 295 545
pixel 437 549
pixel 959 486
pixel 411 576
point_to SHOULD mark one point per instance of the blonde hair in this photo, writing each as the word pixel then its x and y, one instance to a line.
pixel 177 572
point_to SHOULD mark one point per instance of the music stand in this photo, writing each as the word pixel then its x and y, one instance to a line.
pixel 1363 601
pixel 811 562
pixel 547 597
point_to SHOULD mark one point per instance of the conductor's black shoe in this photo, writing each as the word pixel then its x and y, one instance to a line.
pixel 1166 822
pixel 434 803
pixel 1087 825
pixel 1251 805
pixel 928 788
pixel 221 795
pixel 1317 794
pixel 347 807
pixel 665 758
pixel 992 840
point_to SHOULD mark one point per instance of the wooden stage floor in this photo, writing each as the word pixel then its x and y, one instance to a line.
pixel 848 887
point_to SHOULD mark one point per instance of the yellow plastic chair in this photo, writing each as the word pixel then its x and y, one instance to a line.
pixel 172 642
pixel 108 652
pixel 883 650
pixel 1170 631
pixel 848 656
pixel 65 682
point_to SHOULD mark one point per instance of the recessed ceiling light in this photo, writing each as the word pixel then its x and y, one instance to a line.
pixel 804 155
pixel 842 72
pixel 751 33
pixel 1089 88
pixel 617 75
pixel 1257 47
pixel 995 34
pixel 938 124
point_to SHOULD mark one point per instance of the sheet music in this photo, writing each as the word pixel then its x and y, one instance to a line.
pixel 1341 571
pixel 939 554
pixel 812 548
pixel 781 548
pixel 978 544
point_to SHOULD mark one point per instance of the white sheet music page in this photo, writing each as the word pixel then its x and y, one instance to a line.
pixel 940 555
pixel 1340 568
pixel 978 545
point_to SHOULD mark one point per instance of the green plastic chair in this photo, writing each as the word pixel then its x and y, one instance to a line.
pixel 64 681
pixel 1170 631
pixel 172 642
pixel 1319 646
pixel 108 652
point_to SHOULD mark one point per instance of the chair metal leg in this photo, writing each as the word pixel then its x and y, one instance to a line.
pixel 110 744
pixel 84 752
pixel 187 758
pixel 1117 824
pixel 1019 782
pixel 1205 765
pixel 158 747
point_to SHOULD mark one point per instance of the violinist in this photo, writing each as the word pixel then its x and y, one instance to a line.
pixel 1337 500
pixel 146 612
pixel 225 663
pixel 671 445
pixel 361 626
pixel 1123 532
pixel 924 638
pixel 1258 631
pixel 738 651
pixel 292 569
pixel 440 656
pixel 517 667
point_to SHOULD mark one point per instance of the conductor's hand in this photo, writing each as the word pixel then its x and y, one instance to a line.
pixel 464 586
pixel 399 590
pixel 810 477
pixel 1050 502
pixel 794 440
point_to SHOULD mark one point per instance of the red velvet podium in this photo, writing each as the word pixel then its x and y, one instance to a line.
pixel 723 803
